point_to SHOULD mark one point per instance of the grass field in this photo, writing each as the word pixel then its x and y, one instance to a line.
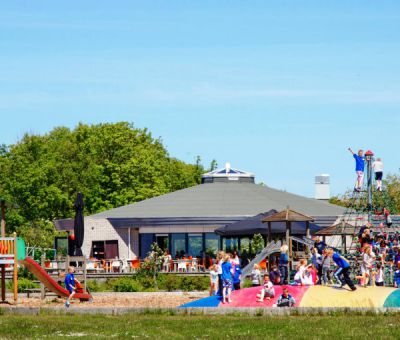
pixel 208 327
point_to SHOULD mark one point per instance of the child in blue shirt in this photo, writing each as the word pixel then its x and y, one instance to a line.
pixel 284 264
pixel 69 283
pixel 342 274
pixel 227 279
pixel 360 165
pixel 286 300
pixel 237 275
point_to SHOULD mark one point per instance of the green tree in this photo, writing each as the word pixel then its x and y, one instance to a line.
pixel 389 198
pixel 111 164
pixel 257 244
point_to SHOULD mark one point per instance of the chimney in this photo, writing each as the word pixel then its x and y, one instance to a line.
pixel 322 187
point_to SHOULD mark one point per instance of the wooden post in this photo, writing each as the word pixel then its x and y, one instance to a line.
pixel 269 232
pixel 3 218
pixel 15 268
pixel 3 234
pixel 84 274
pixel 42 287
pixel 289 244
pixel 308 229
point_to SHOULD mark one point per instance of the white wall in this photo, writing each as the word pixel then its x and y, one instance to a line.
pixel 102 230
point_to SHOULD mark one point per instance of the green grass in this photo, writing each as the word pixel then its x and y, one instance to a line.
pixel 155 326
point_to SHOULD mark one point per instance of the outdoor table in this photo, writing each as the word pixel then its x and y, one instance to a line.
pixel 116 265
pixel 186 265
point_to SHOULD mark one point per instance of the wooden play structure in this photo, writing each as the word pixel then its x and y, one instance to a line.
pixel 9 259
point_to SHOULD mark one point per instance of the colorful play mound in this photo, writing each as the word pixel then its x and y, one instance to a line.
pixel 315 296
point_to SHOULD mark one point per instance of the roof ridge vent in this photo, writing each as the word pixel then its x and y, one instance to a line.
pixel 227 174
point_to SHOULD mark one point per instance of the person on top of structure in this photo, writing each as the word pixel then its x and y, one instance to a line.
pixel 378 168
pixel 360 166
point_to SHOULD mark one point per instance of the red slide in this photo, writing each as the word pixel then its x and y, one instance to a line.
pixel 50 283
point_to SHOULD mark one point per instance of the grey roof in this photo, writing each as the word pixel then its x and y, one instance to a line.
pixel 225 199
pixel 254 225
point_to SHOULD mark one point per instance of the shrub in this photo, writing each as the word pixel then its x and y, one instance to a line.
pixel 23 284
pixel 126 284
pixel 96 286
pixel 247 284
pixel 185 283
pixel 171 283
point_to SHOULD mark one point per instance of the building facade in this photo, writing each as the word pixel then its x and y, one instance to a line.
pixel 183 222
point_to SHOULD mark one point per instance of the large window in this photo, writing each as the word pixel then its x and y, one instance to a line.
pixel 195 244
pixel 105 249
pixel 230 244
pixel 178 245
pixel 61 245
pixel 211 244
pixel 244 245
pixel 162 241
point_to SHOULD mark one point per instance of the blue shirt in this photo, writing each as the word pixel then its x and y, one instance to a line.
pixel 397 278
pixel 69 281
pixel 236 276
pixel 226 271
pixel 339 261
pixel 360 163
pixel 283 259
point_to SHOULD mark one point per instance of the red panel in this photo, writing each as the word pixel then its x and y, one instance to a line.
pixel 248 297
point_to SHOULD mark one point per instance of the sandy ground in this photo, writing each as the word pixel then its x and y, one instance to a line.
pixel 104 300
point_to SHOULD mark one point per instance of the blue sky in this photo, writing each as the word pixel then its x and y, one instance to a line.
pixel 279 88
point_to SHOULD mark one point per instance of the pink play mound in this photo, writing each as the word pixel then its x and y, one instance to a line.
pixel 248 297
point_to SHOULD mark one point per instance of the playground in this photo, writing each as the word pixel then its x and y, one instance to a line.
pixel 359 215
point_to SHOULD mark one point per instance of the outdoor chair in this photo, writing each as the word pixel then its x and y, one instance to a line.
pixel 116 266
pixel 182 266
pixel 106 265
pixel 135 265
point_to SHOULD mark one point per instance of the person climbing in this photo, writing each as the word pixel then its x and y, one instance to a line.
pixel 360 165
pixel 378 168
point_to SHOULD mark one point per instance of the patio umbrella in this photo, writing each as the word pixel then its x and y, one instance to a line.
pixel 79 225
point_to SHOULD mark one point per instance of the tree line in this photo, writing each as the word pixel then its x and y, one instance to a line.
pixel 112 164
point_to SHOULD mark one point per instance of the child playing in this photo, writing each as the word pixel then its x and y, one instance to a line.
pixel 69 283
pixel 255 275
pixel 316 259
pixel 326 268
pixel 314 275
pixel 379 278
pixel 237 275
pixel 300 269
pixel 213 280
pixel 307 278
pixel 275 275
pixel 227 279
pixel 343 270
pixel 286 300
pixel 284 264
pixel 360 165
pixel 378 168
pixel 367 260
pixel 268 290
